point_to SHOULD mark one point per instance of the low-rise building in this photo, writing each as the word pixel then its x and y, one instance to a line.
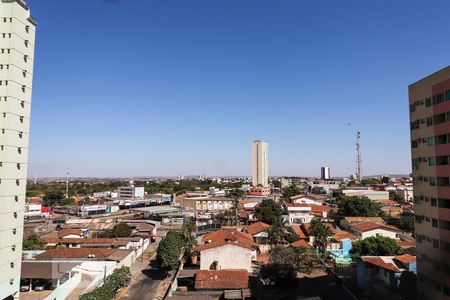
pixel 371 194
pixel 384 269
pixel 221 279
pixel 208 203
pixel 131 192
pixel 259 191
pixel 365 230
pixel 347 222
pixel 303 213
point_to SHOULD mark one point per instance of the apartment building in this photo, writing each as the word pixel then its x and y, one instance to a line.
pixel 17 31
pixel 260 174
pixel 429 103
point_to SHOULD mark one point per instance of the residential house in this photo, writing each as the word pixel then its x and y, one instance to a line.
pixel 365 230
pixel 346 222
pixel 260 233
pixel 299 213
pixel 384 269
pixel 341 256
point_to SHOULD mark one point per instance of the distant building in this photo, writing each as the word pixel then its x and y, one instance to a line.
pixel 259 191
pixel 371 194
pixel 131 191
pixel 260 174
pixel 325 173
pixel 16 75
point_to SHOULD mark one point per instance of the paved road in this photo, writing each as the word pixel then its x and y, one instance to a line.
pixel 146 277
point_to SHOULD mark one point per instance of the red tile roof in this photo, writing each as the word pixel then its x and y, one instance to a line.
pixel 406 244
pixel 341 235
pixel 221 279
pixel 82 253
pixel 307 228
pixel 301 243
pixel 314 207
pixel 406 258
pixel 226 236
pixel 363 227
pixel 204 247
pixel 298 231
pixel 66 232
pixel 379 262
pixel 256 228
pixel 352 220
pixel 262 259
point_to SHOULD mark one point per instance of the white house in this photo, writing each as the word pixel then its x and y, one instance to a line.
pixel 225 256
pixel 365 230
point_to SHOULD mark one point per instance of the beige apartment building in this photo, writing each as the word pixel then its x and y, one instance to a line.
pixel 260 174
pixel 17 33
pixel 429 102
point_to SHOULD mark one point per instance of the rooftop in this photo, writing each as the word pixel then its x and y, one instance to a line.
pixel 256 228
pixel 221 279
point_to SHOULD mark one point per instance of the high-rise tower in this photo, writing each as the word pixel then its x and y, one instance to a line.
pixel 17 32
pixel 429 106
pixel 260 174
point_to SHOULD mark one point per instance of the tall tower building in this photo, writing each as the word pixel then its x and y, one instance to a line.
pixel 17 31
pixel 260 174
pixel 429 105
pixel 325 173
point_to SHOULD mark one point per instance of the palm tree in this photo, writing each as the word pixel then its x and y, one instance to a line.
pixel 278 231
pixel 321 235
pixel 189 233
pixel 236 195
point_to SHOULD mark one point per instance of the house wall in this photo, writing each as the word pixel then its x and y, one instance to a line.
pixel 380 232
pixel 227 257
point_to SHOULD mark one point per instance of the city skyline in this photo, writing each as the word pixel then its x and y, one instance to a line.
pixel 196 78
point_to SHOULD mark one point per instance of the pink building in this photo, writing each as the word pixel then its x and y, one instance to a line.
pixel 259 191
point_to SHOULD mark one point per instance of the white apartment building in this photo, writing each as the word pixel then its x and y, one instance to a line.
pixel 260 174
pixel 17 32
pixel 131 191
pixel 325 173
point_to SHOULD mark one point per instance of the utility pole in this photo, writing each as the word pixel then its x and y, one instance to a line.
pixel 67 184
pixel 358 157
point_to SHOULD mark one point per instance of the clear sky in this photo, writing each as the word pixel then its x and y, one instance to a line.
pixel 143 87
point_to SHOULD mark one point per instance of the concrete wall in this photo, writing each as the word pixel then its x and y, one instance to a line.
pixel 61 292
pixel 227 257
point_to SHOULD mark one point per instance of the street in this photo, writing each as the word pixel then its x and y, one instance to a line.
pixel 146 277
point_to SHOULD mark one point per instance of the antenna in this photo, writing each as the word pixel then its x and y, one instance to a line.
pixel 358 157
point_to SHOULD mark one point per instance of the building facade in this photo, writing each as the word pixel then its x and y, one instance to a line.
pixel 325 173
pixel 131 191
pixel 260 174
pixel 429 103
pixel 16 73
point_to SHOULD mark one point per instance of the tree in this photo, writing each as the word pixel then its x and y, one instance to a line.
pixel 407 289
pixel 307 260
pixel 285 262
pixel 278 231
pixel 119 230
pixel 189 233
pixel 359 207
pixel 118 279
pixel 375 246
pixel 169 250
pixel 405 222
pixel 268 211
pixel 280 270
pixel 32 242
pixel 290 191
pixel 236 195
pixel 321 235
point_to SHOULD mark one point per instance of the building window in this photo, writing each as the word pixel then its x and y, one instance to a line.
pixel 25 58
pixel 12 265
pixel 13 247
pixel 22 103
pixel 15 215
pixel 19 150
pixel 27 29
pixel 21 119
pixel 434 222
pixel 20 134
pixel 435 243
pixel 24 73
pixel 433 202
pixel 26 43
pixel 17 182
pixel 14 231
pixel 16 198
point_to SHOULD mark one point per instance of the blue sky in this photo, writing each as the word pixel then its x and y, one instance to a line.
pixel 143 87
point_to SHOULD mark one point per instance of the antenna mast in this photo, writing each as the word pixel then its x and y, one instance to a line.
pixel 358 157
